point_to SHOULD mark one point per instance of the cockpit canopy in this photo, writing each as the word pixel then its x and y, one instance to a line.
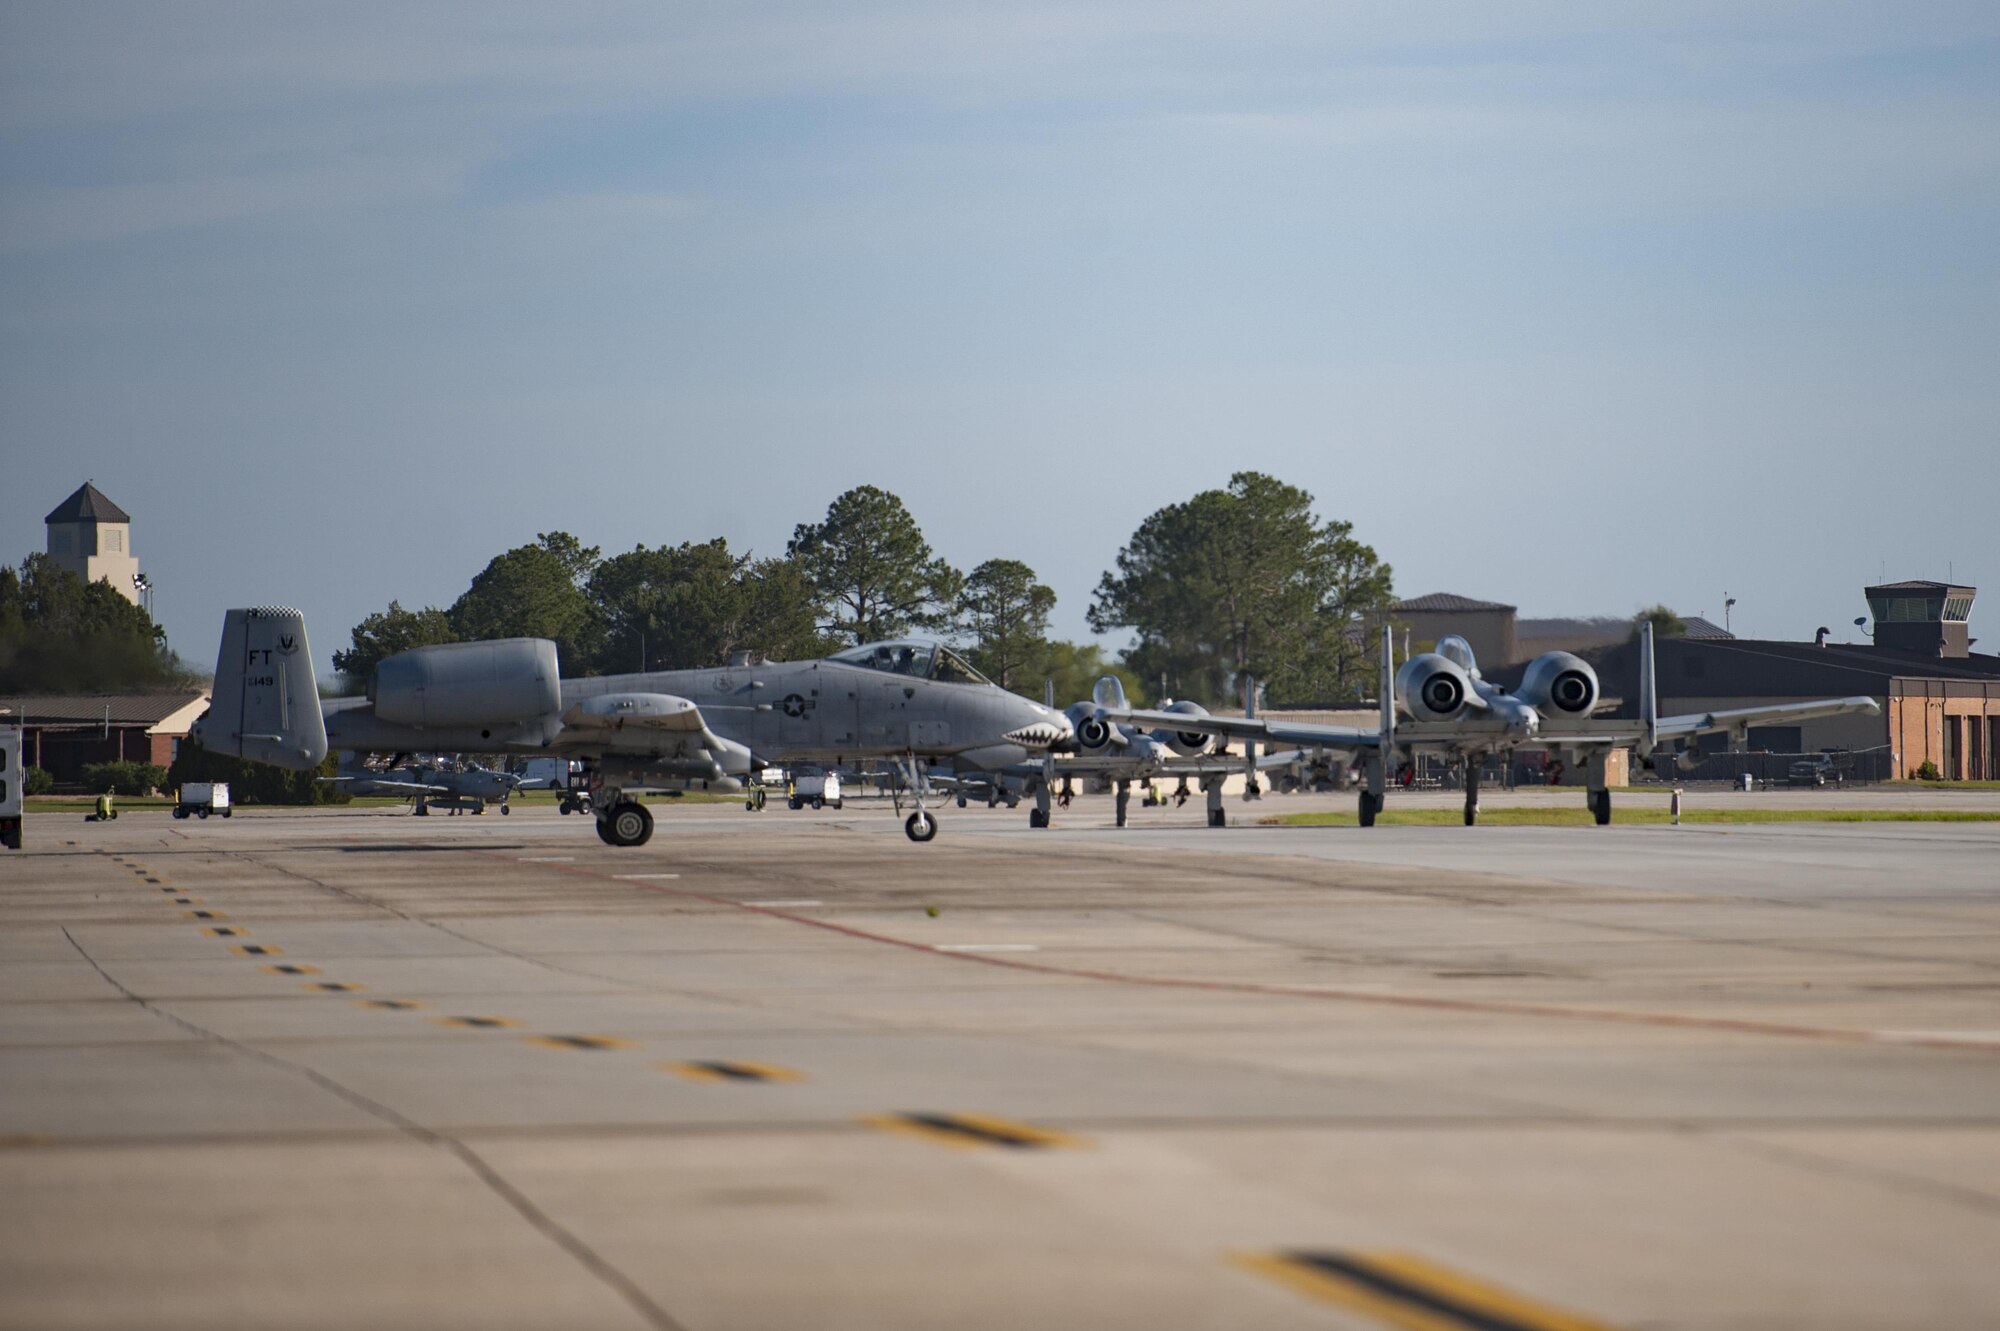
pixel 912 657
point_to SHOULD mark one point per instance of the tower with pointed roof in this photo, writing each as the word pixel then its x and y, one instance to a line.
pixel 92 537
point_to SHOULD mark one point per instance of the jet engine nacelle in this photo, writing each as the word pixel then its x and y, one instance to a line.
pixel 1094 734
pixel 1430 687
pixel 468 683
pixel 1187 743
pixel 1559 682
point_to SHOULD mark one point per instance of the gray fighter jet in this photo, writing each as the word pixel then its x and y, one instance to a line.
pixel 1452 710
pixel 904 702
pixel 468 789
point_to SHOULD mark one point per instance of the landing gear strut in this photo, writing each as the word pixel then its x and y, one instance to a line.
pixel 1471 792
pixel 1217 815
pixel 1039 815
pixel 919 826
pixel 1373 783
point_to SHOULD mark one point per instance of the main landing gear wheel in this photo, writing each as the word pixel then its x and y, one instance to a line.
pixel 1600 807
pixel 628 823
pixel 920 827
pixel 1371 804
pixel 1038 818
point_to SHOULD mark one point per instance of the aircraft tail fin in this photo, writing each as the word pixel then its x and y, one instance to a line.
pixel 1388 689
pixel 265 703
pixel 1649 689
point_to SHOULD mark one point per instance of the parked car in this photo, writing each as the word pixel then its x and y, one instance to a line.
pixel 1814 772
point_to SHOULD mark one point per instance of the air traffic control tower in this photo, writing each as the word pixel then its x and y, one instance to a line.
pixel 1924 618
pixel 92 537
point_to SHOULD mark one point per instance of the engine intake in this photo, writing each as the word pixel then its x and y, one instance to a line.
pixel 468 684
pixel 1430 687
pixel 1187 743
pixel 1560 682
pixel 1094 734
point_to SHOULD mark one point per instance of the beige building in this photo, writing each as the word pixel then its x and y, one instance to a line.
pixel 92 537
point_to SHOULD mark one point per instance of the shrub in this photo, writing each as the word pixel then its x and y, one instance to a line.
pixel 37 782
pixel 256 783
pixel 1928 772
pixel 124 778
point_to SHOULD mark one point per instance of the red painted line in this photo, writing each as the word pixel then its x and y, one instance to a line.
pixel 1498 1008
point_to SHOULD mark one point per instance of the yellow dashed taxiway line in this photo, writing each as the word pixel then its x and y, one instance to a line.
pixel 1402 1290
pixel 731 1070
pixel 391 1004
pixel 258 950
pixel 331 987
pixel 479 1023
pixel 579 1041
pixel 227 931
pixel 970 1130
pixel 291 968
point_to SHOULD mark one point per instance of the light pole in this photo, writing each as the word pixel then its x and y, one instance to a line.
pixel 1728 604
pixel 144 586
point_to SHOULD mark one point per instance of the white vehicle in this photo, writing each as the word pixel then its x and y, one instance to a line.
pixel 201 798
pixel 12 786
pixel 817 787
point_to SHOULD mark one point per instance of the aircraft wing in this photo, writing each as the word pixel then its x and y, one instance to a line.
pixel 1586 730
pixel 1299 733
pixel 1709 723
pixel 612 712
pixel 391 787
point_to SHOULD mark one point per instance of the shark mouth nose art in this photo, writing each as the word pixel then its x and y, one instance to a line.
pixel 1040 735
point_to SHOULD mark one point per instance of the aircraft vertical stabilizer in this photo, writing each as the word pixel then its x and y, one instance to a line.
pixel 265 704
pixel 1649 690
pixel 1388 690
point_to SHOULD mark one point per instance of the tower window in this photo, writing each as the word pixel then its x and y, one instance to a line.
pixel 114 540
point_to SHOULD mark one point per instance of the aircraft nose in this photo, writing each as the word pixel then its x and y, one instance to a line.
pixel 1046 730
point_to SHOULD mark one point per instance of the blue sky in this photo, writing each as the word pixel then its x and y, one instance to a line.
pixel 1572 306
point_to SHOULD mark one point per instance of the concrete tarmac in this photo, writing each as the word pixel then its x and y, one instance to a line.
pixel 348 1068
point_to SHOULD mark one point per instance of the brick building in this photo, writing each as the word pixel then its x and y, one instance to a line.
pixel 63 733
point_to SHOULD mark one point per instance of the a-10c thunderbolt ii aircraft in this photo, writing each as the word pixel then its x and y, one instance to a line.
pixel 1451 709
pixel 681 729
pixel 1109 751
pixel 470 787
pixel 1108 755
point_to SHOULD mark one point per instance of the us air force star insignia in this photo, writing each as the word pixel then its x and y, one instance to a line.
pixel 794 705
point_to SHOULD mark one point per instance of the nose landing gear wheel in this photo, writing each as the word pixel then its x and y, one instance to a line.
pixel 1371 804
pixel 626 824
pixel 920 827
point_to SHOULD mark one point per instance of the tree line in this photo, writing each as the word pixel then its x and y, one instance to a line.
pixel 60 634
pixel 1240 580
